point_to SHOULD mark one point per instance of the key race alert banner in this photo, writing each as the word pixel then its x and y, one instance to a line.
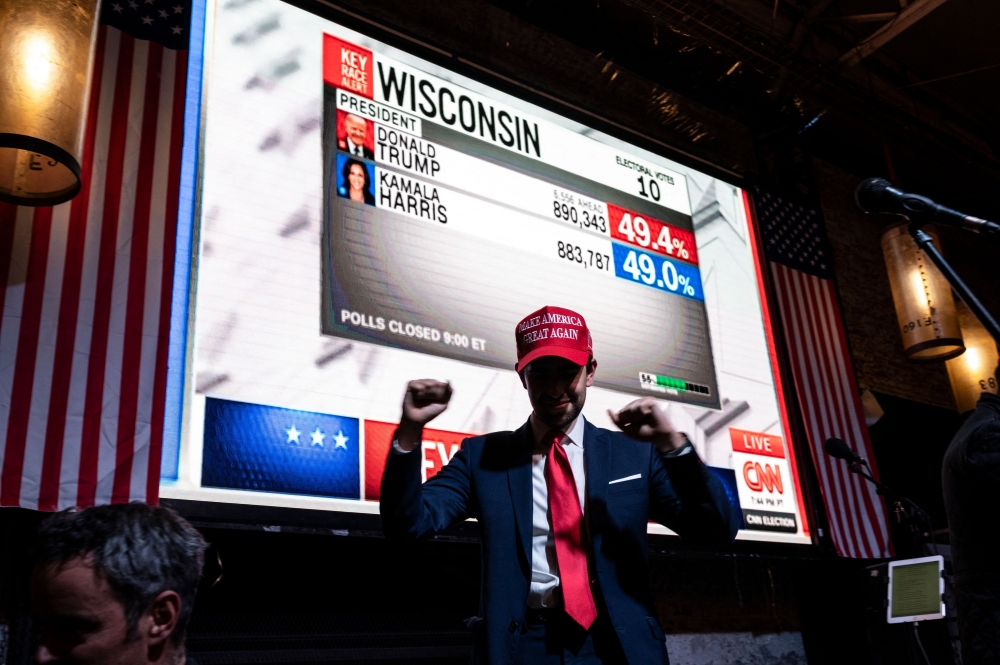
pixel 347 66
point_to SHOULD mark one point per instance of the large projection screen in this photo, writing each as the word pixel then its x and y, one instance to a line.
pixel 368 217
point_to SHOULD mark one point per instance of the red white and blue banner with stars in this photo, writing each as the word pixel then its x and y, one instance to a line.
pixel 88 283
pixel 802 269
pixel 269 449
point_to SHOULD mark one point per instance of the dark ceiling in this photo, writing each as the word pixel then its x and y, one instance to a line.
pixel 920 107
pixel 946 61
pixel 953 53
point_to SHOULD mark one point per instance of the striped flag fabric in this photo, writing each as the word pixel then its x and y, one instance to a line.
pixel 801 267
pixel 86 303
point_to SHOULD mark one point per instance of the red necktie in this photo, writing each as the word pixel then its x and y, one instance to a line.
pixel 567 527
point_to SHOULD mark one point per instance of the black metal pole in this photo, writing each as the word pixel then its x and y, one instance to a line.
pixel 925 243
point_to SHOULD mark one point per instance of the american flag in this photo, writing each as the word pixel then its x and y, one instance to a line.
pixel 86 305
pixel 797 249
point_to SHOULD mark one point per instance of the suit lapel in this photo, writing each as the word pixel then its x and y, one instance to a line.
pixel 595 458
pixel 519 482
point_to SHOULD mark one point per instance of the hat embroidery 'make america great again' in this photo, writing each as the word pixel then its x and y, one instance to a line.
pixel 553 331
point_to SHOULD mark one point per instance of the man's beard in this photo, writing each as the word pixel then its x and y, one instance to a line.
pixel 559 422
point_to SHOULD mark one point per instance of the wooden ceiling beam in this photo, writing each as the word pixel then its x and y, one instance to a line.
pixel 859 18
pixel 903 20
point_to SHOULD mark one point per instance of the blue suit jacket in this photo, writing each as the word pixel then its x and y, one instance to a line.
pixel 490 479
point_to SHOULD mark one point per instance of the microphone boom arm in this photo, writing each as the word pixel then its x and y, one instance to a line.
pixel 926 244
pixel 906 510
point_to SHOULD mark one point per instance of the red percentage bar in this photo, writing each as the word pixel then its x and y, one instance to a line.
pixel 652 234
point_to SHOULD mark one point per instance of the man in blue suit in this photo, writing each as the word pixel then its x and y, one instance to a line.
pixel 562 507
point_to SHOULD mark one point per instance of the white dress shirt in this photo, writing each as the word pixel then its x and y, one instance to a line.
pixel 543 591
pixel 355 149
pixel 544 566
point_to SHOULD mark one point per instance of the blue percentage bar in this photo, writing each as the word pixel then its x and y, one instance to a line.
pixel 657 271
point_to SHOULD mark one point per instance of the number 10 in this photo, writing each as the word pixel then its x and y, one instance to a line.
pixel 654 188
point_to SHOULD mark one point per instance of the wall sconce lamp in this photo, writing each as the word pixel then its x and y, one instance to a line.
pixel 925 308
pixel 46 57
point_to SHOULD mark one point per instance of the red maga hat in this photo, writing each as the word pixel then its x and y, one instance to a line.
pixel 553 331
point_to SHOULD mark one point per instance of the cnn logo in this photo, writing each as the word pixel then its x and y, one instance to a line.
pixel 758 476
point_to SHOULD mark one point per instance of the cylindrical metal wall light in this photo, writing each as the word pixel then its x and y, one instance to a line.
pixel 925 308
pixel 972 373
pixel 46 56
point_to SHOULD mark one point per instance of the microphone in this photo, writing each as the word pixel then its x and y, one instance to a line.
pixel 879 195
pixel 838 448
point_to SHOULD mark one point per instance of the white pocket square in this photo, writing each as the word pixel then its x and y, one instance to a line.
pixel 622 480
